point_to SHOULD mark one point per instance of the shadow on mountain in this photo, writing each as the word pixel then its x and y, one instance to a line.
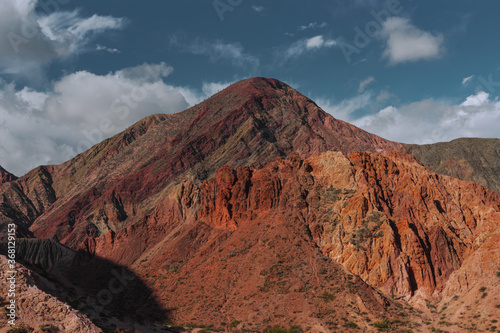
pixel 97 287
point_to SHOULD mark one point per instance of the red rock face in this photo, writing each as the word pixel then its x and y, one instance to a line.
pixel 239 247
pixel 385 218
pixel 406 229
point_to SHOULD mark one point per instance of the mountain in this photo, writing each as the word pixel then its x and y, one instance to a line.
pixel 254 209
pixel 118 182
pixel 472 159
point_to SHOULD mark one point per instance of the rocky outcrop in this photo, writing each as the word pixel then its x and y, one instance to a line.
pixel 238 249
pixel 36 308
pixel 406 229
pixel 386 218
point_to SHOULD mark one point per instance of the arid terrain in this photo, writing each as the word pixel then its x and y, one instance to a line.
pixel 256 209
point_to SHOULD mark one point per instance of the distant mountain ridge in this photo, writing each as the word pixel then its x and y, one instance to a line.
pixel 472 159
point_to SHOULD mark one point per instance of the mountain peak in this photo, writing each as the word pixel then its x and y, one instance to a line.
pixel 261 83
pixel 251 89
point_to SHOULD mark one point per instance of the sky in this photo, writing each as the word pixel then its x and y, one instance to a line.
pixel 73 73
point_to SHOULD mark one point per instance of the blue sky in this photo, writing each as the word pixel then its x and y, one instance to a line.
pixel 75 72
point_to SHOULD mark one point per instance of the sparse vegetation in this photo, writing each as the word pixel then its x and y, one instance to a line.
pixel 234 323
pixel 48 328
pixel 370 228
pixel 174 268
pixel 351 324
pixel 327 297
pixel 482 289
pixel 381 324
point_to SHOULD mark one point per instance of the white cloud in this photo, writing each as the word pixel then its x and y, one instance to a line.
pixel 106 49
pixel 313 25
pixel 480 99
pixel 307 44
pixel 82 109
pixel 467 79
pixel 406 43
pixel 421 122
pixel 347 107
pixel 258 9
pixel 221 51
pixel 30 39
pixel 431 121
pixel 363 84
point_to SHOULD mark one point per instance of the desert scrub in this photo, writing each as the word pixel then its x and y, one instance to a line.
pixel 327 297
pixel 351 324
pixel 381 324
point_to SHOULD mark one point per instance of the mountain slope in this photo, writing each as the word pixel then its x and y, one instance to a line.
pixel 6 176
pixel 37 308
pixel 466 158
pixel 238 249
pixel 399 227
pixel 118 182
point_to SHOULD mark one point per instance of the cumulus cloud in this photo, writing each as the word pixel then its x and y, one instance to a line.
pixel 30 38
pixel 82 109
pixel 308 44
pixel 407 43
pixel 423 122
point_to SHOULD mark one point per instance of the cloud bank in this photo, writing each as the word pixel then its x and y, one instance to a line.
pixel 423 122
